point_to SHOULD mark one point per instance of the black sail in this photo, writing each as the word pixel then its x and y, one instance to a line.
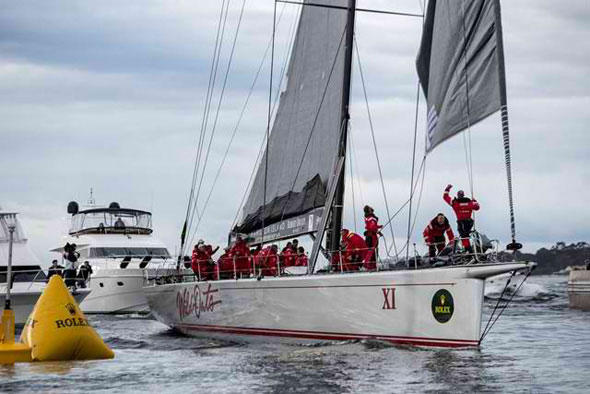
pixel 303 144
pixel 458 65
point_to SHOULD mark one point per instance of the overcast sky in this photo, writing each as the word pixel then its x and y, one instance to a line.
pixel 110 95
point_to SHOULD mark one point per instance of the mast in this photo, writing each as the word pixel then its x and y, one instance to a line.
pixel 333 240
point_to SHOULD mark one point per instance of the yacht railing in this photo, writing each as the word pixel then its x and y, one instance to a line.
pixel 243 267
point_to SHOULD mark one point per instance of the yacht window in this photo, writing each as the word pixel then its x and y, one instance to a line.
pixel 134 252
pixel 24 273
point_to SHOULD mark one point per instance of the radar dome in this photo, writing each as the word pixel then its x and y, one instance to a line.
pixel 73 207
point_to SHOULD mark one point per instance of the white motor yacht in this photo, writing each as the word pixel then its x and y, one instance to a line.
pixel 122 251
pixel 28 278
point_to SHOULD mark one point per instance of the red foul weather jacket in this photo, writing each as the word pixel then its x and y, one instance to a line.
pixel 371 224
pixel 352 242
pixel 463 207
pixel 438 230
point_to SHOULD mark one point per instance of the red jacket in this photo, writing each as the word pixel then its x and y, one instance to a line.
pixel 301 260
pixel 371 224
pixel 267 259
pixel 437 230
pixel 463 207
pixel 288 258
pixel 354 242
pixel 199 261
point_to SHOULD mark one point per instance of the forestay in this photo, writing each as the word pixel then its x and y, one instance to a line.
pixel 458 65
pixel 304 139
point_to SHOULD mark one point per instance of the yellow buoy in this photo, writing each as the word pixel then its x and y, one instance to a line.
pixel 11 352
pixel 57 329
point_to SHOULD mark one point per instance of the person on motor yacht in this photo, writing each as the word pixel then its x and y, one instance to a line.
pixel 71 257
pixel 54 269
pixel 119 223
pixel 84 273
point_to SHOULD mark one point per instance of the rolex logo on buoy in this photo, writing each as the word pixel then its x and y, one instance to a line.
pixel 71 308
pixel 442 306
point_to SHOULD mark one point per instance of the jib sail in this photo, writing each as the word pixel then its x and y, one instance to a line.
pixel 460 65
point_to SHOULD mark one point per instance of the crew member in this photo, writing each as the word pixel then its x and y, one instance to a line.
pixel 463 207
pixel 295 245
pixel 287 257
pixel 372 232
pixel 199 261
pixel 301 257
pixel 434 234
pixel 354 250
pixel 268 260
pixel 54 269
pixel 241 253
pixel 226 265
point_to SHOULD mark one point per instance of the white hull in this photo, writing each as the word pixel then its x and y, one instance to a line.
pixel 118 291
pixel 392 306
pixel 23 300
pixel 578 288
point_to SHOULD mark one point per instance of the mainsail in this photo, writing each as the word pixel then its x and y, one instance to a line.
pixel 303 145
pixel 459 65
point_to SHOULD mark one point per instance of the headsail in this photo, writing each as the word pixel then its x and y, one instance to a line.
pixel 458 65
pixel 304 140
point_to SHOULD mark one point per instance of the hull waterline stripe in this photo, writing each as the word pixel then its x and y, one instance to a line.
pixel 319 335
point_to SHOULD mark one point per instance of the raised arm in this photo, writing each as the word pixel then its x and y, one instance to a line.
pixel 446 196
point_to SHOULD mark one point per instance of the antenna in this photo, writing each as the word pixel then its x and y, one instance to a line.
pixel 91 200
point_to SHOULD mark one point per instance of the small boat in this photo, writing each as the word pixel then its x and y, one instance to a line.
pixel 28 278
pixel 122 251
pixel 298 190
pixel 578 288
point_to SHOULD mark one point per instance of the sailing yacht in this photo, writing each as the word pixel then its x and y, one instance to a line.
pixel 28 278
pixel 299 187
pixel 122 251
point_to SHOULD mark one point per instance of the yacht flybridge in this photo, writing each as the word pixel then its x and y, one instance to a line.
pixel 121 249
pixel 298 190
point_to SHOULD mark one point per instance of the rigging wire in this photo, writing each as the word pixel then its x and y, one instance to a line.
pixel 201 135
pixel 467 146
pixel 218 110
pixel 413 166
pixel 356 169
pixel 277 96
pixel 358 57
pixel 350 166
pixel 272 56
pixel 420 180
pixel 242 112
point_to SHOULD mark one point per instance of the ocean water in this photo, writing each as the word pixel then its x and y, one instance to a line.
pixel 539 345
